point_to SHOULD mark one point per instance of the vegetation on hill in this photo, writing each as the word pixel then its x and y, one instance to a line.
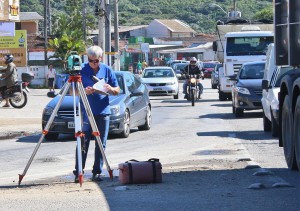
pixel 201 15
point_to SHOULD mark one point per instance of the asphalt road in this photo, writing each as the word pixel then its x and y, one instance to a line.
pixel 210 159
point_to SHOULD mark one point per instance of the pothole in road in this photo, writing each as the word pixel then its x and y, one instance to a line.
pixel 215 152
pixel 48 159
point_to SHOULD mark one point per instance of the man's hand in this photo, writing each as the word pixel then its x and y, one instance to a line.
pixel 111 90
pixel 89 90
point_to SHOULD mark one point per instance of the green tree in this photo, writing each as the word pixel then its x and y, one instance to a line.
pixel 266 13
pixel 68 33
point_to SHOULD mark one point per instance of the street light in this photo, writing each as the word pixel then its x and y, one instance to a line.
pixel 216 5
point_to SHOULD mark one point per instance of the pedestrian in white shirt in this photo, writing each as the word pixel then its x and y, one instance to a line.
pixel 51 77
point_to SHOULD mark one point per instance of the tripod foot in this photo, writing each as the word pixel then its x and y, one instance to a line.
pixel 110 174
pixel 20 178
pixel 80 179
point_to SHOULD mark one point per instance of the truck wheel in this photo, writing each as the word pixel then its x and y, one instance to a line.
pixel 275 127
pixel 296 131
pixel 267 123
pixel 287 134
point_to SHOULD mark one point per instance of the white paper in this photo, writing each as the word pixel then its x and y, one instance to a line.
pixel 100 85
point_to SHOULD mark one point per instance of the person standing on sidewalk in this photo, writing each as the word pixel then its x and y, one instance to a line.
pixel 51 77
pixel 99 104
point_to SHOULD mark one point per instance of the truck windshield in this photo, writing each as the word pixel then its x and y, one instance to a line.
pixel 239 46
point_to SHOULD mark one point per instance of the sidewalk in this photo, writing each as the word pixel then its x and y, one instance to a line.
pixel 27 120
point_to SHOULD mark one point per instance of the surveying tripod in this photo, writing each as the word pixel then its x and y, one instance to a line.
pixel 73 80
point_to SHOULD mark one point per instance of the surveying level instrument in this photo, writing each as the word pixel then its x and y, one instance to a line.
pixel 75 81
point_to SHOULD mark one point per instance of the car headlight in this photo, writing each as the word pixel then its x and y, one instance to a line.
pixel 171 83
pixel 115 109
pixel 48 111
pixel 242 90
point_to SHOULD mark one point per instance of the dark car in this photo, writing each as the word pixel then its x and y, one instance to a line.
pixel 247 88
pixel 215 76
pixel 207 68
pixel 179 69
pixel 131 108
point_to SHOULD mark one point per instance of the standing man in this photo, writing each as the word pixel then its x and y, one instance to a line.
pixel 51 77
pixel 139 67
pixel 99 105
pixel 9 76
pixel 144 64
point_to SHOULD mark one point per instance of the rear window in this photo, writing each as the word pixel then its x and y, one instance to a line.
pixel 157 73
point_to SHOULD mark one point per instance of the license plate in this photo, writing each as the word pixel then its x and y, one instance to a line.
pixel 71 125
pixel 157 89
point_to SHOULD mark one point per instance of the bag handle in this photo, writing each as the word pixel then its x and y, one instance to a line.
pixel 132 160
pixel 150 160
pixel 153 160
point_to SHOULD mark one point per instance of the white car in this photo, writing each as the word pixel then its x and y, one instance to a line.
pixel 270 100
pixel 161 81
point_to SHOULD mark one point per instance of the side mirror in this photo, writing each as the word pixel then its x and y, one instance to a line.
pixel 215 46
pixel 136 94
pixel 233 77
pixel 265 84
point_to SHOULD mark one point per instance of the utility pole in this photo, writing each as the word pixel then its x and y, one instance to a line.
pixel 234 5
pixel 108 32
pixel 116 36
pixel 84 19
pixel 101 27
pixel 45 32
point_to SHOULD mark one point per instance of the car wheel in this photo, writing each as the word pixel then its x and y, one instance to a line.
pixel 51 136
pixel 126 125
pixel 176 96
pixel 148 121
pixel 275 127
pixel 287 136
pixel 266 123
pixel 222 96
pixel 239 112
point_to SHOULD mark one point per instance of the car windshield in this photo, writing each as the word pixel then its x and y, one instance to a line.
pixel 119 79
pixel 180 66
pixel 209 65
pixel 158 73
pixel 252 71
pixel 242 46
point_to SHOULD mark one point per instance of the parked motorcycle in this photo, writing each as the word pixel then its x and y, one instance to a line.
pixel 193 89
pixel 17 94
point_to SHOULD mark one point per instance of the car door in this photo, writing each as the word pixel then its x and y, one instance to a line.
pixel 140 101
pixel 133 103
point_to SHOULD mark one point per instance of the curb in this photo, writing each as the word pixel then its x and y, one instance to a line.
pixel 13 134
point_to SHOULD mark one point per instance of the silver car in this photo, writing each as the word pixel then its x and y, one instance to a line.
pixel 215 76
pixel 161 81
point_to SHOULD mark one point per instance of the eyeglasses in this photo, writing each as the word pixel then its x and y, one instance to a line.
pixel 94 61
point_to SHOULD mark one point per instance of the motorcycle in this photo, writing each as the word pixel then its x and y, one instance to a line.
pixel 17 94
pixel 193 89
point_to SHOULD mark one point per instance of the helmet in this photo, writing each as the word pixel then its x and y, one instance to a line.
pixel 9 58
pixel 193 59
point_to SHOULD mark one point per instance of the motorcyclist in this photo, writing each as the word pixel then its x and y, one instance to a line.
pixel 192 69
pixel 9 75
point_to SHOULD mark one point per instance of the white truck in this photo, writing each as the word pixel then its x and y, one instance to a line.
pixel 237 44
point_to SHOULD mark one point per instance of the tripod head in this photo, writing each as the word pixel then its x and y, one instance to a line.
pixel 74 63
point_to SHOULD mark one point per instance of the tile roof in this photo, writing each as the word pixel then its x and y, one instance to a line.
pixel 30 16
pixel 175 25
